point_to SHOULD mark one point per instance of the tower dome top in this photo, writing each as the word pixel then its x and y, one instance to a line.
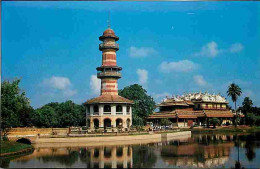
pixel 109 33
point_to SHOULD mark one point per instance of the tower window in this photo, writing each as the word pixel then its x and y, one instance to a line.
pixel 96 108
pixel 107 108
pixel 118 108
pixel 128 109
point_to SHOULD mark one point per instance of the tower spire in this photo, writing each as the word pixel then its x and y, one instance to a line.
pixel 108 21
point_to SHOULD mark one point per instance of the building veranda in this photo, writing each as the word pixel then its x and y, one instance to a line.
pixel 193 109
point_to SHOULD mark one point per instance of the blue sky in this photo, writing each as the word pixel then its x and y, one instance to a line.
pixel 167 47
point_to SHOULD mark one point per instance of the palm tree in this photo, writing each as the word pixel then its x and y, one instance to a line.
pixel 234 91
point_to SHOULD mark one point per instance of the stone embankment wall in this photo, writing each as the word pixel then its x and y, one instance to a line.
pixel 45 139
pixel 110 140
pixel 35 131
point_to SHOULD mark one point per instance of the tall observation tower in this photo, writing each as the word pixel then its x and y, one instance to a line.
pixel 109 110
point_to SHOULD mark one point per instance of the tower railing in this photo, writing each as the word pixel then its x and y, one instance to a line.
pixel 108 46
pixel 109 74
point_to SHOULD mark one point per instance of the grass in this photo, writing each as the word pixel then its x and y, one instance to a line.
pixel 226 130
pixel 10 146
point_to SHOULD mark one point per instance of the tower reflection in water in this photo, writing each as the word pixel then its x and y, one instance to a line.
pixel 111 157
pixel 88 157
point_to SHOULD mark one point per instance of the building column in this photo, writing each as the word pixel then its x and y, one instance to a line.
pixel 101 110
pixel 113 109
pixel 92 124
pixel 91 110
pixel 113 122
pixel 124 123
pixel 114 162
pixel 101 122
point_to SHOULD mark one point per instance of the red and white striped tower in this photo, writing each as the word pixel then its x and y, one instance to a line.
pixel 109 72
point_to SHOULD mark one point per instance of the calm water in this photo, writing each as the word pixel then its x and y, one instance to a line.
pixel 198 151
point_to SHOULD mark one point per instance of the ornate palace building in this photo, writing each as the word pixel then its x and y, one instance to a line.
pixel 191 109
pixel 109 110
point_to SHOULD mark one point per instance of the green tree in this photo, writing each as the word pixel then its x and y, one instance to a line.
pixel 234 91
pixel 45 117
pixel 143 103
pixel 251 119
pixel 247 104
pixel 214 121
pixel 69 113
pixel 15 106
pixel 165 122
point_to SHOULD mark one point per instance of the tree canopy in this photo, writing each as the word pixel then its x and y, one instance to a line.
pixel 247 105
pixel 234 91
pixel 15 106
pixel 17 112
pixel 143 103
pixel 62 115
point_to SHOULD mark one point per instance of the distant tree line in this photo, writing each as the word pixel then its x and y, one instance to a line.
pixel 16 110
pixel 252 113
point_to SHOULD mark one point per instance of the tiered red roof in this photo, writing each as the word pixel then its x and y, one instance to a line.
pixel 191 114
pixel 109 99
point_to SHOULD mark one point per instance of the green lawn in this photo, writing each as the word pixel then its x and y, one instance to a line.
pixel 9 146
pixel 225 130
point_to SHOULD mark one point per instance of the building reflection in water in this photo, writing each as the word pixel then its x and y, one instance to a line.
pixel 93 157
pixel 202 151
pixel 111 157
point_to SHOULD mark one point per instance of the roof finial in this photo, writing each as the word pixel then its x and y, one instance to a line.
pixel 108 21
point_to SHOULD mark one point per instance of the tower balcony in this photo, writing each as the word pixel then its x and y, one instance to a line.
pixel 109 74
pixel 108 46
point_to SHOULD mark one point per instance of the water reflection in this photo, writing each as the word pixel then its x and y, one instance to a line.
pixel 198 151
pixel 202 151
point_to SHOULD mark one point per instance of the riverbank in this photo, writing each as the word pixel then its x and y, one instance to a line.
pixel 224 130
pixel 9 148
pixel 110 140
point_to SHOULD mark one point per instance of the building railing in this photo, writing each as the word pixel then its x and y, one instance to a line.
pixel 96 113
pixel 106 112
pixel 109 74
pixel 108 46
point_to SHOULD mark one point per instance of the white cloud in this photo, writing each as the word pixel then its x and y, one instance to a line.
pixel 236 47
pixel 180 66
pixel 59 87
pixel 141 52
pixel 142 76
pixel 56 82
pixel 69 92
pixel 95 84
pixel 199 80
pixel 211 49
